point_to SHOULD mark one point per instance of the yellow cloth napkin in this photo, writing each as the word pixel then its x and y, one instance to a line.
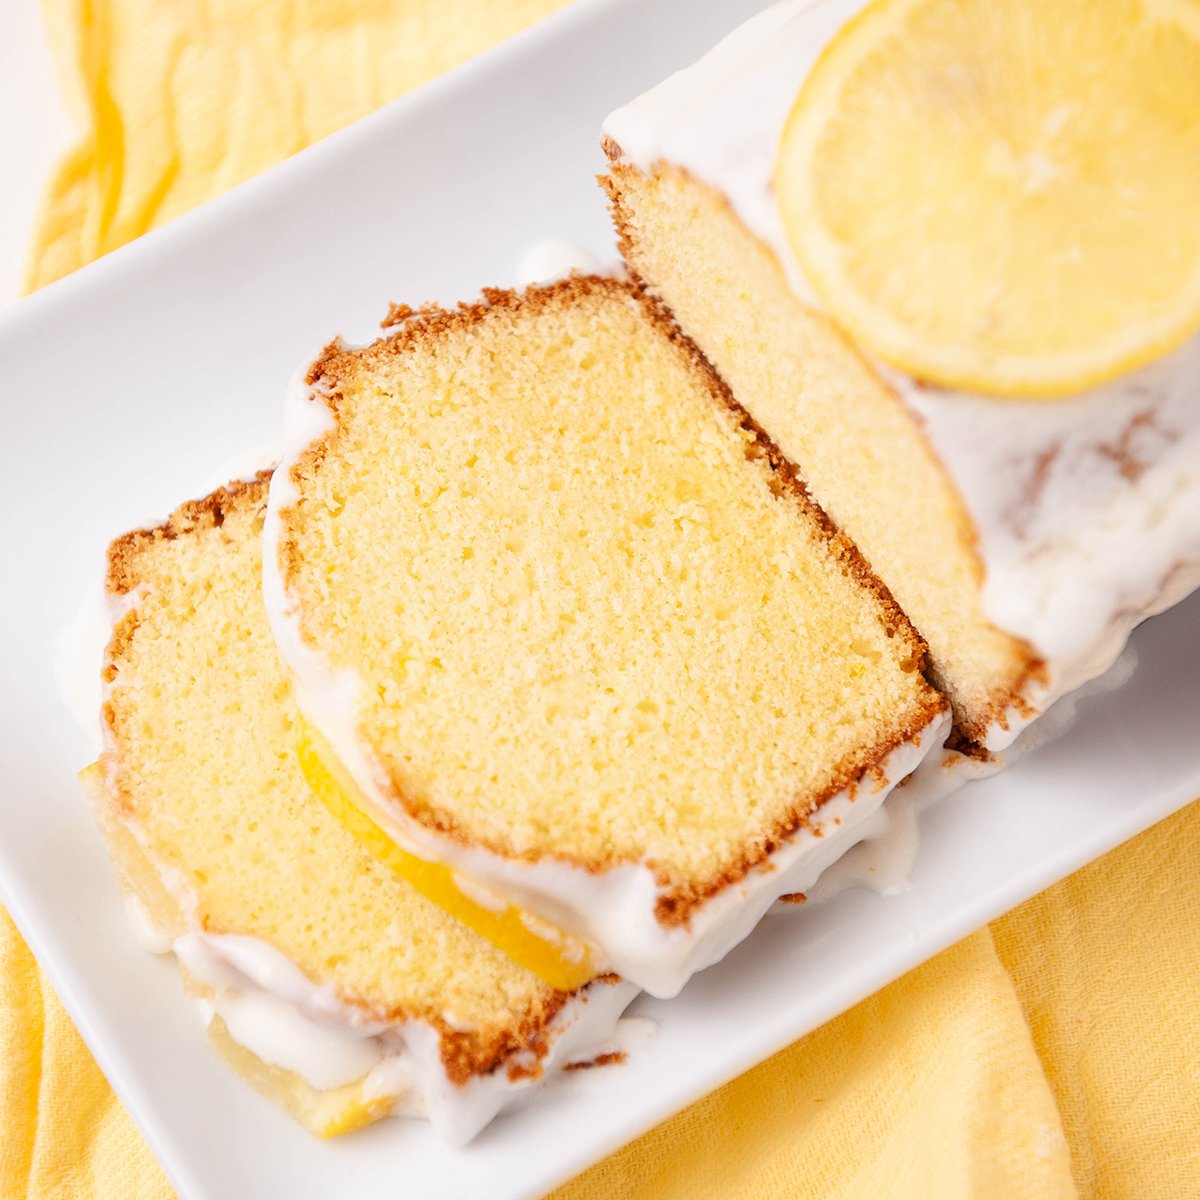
pixel 1056 1054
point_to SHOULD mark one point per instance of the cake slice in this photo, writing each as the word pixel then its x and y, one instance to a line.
pixel 1023 537
pixel 328 983
pixel 565 621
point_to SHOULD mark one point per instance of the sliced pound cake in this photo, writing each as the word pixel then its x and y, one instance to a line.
pixel 329 983
pixel 565 621
pixel 1024 537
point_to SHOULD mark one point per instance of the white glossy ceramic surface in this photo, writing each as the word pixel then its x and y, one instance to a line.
pixel 128 381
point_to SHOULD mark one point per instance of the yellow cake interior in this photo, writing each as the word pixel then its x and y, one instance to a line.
pixel 862 455
pixel 201 764
pixel 324 1112
pixel 594 617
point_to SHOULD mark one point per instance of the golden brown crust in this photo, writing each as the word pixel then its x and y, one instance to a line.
pixel 519 1049
pixel 678 897
pixel 610 1059
pixel 968 735
pixel 209 512
pixel 397 314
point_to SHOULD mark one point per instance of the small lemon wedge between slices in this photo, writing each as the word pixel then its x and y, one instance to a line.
pixel 555 956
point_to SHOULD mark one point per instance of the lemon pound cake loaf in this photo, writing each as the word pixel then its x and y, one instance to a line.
pixel 328 983
pixel 945 253
pixel 566 624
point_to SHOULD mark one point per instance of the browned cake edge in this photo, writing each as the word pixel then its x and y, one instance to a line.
pixel 416 328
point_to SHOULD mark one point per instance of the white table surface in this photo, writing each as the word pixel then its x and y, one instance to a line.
pixel 34 131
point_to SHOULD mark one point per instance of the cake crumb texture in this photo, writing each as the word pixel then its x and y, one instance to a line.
pixel 595 615
pixel 859 450
pixel 200 760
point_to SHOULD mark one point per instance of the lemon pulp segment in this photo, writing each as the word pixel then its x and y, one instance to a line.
pixel 1003 195
pixel 559 958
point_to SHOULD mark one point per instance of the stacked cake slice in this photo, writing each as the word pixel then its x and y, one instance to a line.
pixel 560 673
pixel 327 982
pixel 573 628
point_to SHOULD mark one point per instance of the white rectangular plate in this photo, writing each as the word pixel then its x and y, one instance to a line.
pixel 129 381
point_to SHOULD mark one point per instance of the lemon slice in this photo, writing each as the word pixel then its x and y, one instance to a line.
pixel 1003 195
pixel 559 958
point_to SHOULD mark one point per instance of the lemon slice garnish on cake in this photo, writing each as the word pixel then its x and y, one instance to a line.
pixel 555 956
pixel 1003 195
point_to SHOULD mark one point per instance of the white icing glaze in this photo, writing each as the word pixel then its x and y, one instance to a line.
pixel 272 1009
pixel 579 1032
pixel 238 960
pixel 275 1028
pixel 632 1034
pixel 883 860
pixel 1058 719
pixel 241 468
pixel 614 909
pixel 554 259
pixel 78 659
pixel 475 891
pixel 275 1011
pixel 1088 508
